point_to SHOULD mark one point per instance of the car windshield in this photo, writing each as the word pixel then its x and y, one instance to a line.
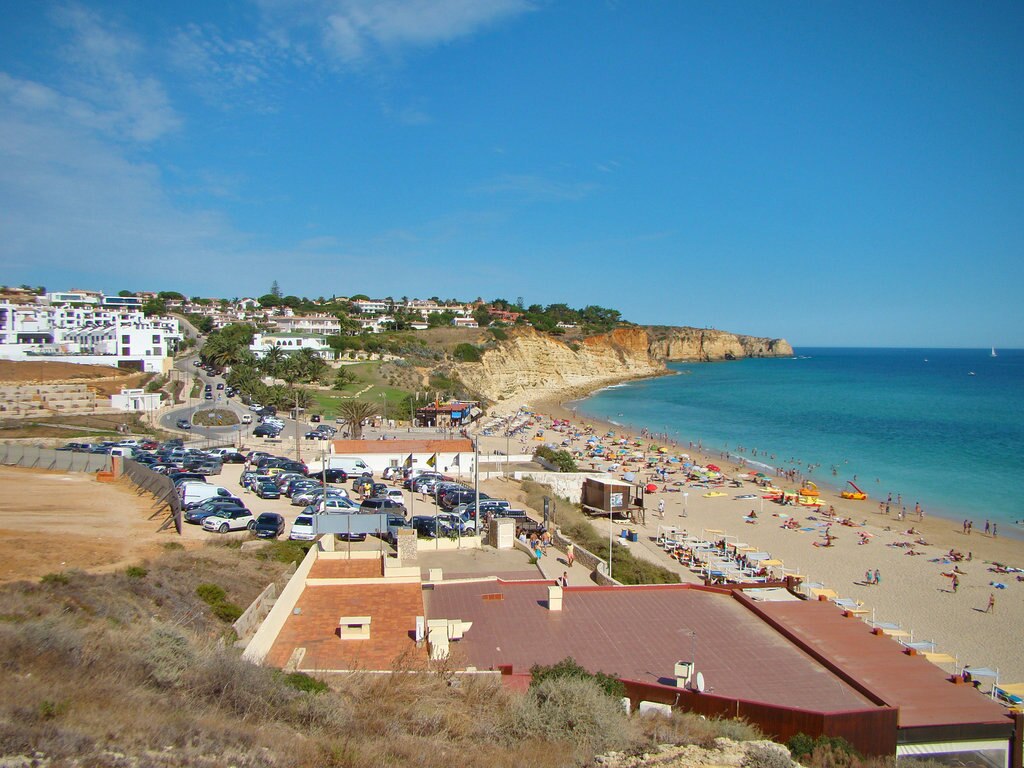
pixel 303 521
pixel 267 517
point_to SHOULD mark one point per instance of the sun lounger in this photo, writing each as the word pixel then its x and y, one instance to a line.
pixel 1012 694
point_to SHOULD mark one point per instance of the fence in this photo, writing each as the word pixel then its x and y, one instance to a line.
pixel 160 487
pixel 34 457
pixel 144 479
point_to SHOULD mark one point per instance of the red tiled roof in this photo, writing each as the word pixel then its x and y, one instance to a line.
pixel 392 609
pixel 921 690
pixel 366 447
pixel 639 634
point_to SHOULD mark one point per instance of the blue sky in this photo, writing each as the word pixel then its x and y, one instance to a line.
pixel 832 173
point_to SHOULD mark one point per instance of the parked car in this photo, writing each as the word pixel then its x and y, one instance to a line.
pixel 425 525
pixel 268 490
pixel 395 494
pixel 379 505
pixel 209 508
pixel 265 430
pixel 302 529
pixel 316 435
pixel 269 525
pixel 462 523
pixel 229 520
pixel 452 499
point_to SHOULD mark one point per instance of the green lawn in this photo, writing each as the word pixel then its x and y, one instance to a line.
pixel 368 387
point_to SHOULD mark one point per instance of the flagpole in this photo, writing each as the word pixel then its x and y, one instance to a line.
pixel 476 485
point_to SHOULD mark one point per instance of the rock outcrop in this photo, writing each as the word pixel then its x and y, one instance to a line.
pixel 538 364
pixel 704 344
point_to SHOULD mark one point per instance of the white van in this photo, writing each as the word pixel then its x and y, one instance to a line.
pixel 353 465
pixel 193 491
pixel 124 451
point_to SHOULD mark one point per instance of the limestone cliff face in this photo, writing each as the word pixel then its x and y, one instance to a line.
pixel 531 362
pixel 538 364
pixel 702 344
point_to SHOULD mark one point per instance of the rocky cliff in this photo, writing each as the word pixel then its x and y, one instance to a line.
pixel 539 365
pixel 704 344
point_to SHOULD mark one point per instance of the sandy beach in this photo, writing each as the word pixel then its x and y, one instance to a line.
pixel 913 591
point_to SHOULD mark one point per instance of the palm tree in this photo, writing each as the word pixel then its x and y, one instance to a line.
pixel 272 360
pixel 355 412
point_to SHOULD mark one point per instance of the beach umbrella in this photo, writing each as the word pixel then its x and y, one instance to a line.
pixel 714 468
pixel 629 476
pixel 651 487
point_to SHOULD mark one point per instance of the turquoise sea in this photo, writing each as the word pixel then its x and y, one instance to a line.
pixel 941 426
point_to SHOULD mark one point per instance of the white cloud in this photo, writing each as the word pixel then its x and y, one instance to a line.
pixel 353 30
pixel 104 81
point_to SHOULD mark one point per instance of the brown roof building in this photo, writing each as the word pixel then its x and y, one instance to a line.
pixel 789 666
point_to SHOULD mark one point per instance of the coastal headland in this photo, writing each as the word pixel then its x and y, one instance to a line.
pixel 529 364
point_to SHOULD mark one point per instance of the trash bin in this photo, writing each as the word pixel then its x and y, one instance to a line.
pixel 634 536
pixel 625 533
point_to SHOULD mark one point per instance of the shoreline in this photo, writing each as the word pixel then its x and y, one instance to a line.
pixel 565 401
pixel 915 592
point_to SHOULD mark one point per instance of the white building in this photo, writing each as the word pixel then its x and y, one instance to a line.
pixel 319 325
pixel 138 400
pixel 290 342
pixel 89 332
pixel 373 306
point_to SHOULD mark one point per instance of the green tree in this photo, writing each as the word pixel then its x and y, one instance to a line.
pixel 343 378
pixel 125 294
pixel 355 413
pixel 275 290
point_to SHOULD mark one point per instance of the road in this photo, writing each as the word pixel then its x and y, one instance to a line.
pixel 239 434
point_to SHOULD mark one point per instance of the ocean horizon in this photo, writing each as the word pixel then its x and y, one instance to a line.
pixel 943 427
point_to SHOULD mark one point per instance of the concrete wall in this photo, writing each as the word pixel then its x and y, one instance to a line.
pixel 568 485
pixel 263 640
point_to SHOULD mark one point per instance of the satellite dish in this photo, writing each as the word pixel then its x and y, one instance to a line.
pixel 700 682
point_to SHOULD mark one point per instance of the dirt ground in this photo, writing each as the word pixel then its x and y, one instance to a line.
pixel 52 521
pixel 19 371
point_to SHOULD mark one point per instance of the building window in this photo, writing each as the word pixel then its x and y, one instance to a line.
pixel 156 338
pixel 126 339
pixel 125 352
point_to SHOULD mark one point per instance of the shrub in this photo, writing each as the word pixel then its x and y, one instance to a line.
pixel 574 710
pixel 300 681
pixel 823 752
pixel 467 353
pixel 173 546
pixel 55 578
pixel 225 611
pixel 210 593
pixel 498 333
pixel 285 551
pixel 563 460
pixel 568 669
pixel 166 653
pixel 135 572
pixel 766 755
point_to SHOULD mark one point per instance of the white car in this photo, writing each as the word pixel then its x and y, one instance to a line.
pixel 395 494
pixel 302 529
pixel 254 406
pixel 328 505
pixel 230 520
pixel 247 418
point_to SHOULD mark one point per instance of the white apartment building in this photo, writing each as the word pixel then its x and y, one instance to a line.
pixel 290 342
pixel 319 325
pixel 373 306
pixel 426 307
pixel 86 331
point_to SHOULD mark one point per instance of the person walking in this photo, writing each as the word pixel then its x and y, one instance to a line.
pixel 991 603
pixel 956 583
pixel 570 554
pixel 661 508
pixel 878 577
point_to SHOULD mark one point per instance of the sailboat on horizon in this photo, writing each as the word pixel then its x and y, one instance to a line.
pixel 994 352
